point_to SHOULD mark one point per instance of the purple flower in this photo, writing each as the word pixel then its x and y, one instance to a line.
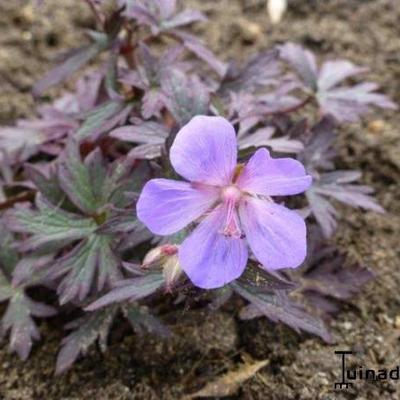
pixel 232 203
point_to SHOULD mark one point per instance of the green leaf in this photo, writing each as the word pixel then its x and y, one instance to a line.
pixel 6 290
pixel 103 118
pixel 8 254
pixel 76 180
pixel 49 225
pixel 89 184
pixel 92 258
pixel 185 96
pixel 48 186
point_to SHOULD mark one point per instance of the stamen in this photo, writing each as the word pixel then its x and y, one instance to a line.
pixel 231 196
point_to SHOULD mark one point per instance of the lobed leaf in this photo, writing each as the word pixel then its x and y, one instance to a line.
pixel 48 225
pixel 261 70
pixel 335 185
pixel 18 320
pixel 91 259
pixel 130 289
pixel 103 118
pixel 87 330
pixel 303 61
pixel 142 321
pixel 276 306
pixel 74 60
pixel 185 97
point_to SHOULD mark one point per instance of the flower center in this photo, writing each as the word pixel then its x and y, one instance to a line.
pixel 231 196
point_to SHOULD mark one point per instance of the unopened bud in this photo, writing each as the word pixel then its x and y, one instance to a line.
pixel 276 9
pixel 166 257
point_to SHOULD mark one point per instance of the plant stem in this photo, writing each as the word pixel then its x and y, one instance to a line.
pixel 98 15
pixel 26 196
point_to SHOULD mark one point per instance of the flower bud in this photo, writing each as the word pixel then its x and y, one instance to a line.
pixel 276 9
pixel 166 257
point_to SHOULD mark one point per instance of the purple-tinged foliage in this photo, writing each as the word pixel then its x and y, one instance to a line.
pixel 130 289
pixel 260 71
pixel 143 322
pixel 326 279
pixel 158 103
pixel 160 15
pixel 150 137
pixel 55 122
pixel 346 104
pixel 276 306
pixel 85 331
pixel 91 189
pixel 73 60
pixel 185 97
pixel 18 316
pixel 328 183
pixel 149 75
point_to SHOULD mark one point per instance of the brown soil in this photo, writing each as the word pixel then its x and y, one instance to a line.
pixel 301 367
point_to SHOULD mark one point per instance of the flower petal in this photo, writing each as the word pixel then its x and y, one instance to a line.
pixel 276 235
pixel 209 258
pixel 205 150
pixel 273 177
pixel 166 206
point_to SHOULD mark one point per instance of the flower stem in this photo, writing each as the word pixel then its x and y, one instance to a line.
pixel 98 15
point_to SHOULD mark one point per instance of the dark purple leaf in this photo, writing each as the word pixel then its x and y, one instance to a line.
pixel 152 103
pixel 334 72
pixel 148 132
pixel 303 61
pixel 337 185
pixel 344 103
pixel 197 47
pixel 220 297
pixel 143 322
pixel 260 71
pixel 324 212
pixel 183 18
pixel 185 97
pixel 276 306
pixel 348 104
pixel 264 138
pixel 319 148
pixel 160 15
pixel 326 279
pixel 31 269
pixel 130 289
pixel 19 143
pixel 18 320
pixel 103 119
pixel 87 330
pixel 75 60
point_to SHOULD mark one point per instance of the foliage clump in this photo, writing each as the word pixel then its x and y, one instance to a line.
pixel 71 177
